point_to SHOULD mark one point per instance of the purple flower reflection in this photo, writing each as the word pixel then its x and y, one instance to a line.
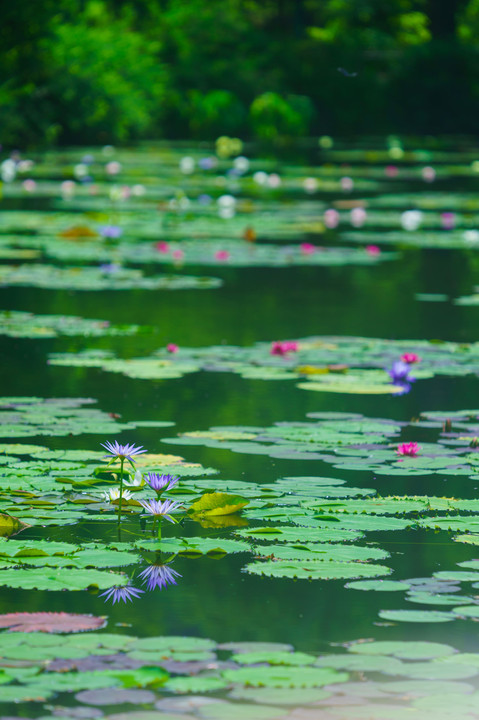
pixel 125 593
pixel 159 576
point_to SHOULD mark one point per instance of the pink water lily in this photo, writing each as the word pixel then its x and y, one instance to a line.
pixel 410 449
pixel 410 358
pixel 172 348
pixel 283 347
pixel 373 250
pixel 222 255
pixel 308 248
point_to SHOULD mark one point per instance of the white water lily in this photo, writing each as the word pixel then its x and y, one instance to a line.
pixel 114 495
pixel 136 481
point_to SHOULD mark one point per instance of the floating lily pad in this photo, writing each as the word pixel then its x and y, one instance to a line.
pixel 416 616
pixel 283 677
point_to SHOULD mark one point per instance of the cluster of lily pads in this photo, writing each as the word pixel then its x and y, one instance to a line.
pixel 352 365
pixel 195 678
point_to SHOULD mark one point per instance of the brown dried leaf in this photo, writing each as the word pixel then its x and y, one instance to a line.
pixel 50 622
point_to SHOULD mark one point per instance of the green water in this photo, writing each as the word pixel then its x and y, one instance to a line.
pixel 216 598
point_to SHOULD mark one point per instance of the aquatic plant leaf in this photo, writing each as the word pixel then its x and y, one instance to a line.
pixel 286 533
pixel 27 325
pixel 379 585
pixel 196 546
pixel 218 504
pixel 176 643
pixel 94 278
pixel 197 684
pixel 405 649
pixel 280 696
pixel 284 676
pixel 61 579
pixel 277 657
pixel 115 696
pixel 416 615
pixel 315 569
pixel 50 622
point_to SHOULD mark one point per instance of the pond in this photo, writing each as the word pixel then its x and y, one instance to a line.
pixel 291 335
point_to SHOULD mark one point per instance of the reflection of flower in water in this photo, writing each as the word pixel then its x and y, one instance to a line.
pixel 125 593
pixel 159 576
pixel 399 374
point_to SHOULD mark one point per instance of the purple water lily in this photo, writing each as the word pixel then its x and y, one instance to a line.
pixel 158 483
pixel 400 377
pixel 159 576
pixel 160 509
pixel 122 452
pixel 125 593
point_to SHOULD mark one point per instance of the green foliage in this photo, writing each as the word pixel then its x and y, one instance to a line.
pixel 272 116
pixel 105 77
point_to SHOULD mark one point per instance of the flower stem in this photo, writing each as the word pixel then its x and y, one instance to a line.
pixel 122 460
pixel 159 528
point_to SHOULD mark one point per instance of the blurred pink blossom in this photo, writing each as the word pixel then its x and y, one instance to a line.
pixel 222 255
pixel 410 448
pixel 172 348
pixel 410 358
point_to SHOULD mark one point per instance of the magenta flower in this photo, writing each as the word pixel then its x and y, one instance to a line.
pixel 373 250
pixel 122 452
pixel 160 509
pixel 159 576
pixel 172 348
pixel 308 248
pixel 162 247
pixel 222 255
pixel 283 347
pixel 158 483
pixel 125 592
pixel 410 449
pixel 178 255
pixel 410 358
pixel 448 220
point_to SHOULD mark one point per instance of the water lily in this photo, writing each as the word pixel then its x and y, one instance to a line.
pixel 113 495
pixel 307 248
pixel 122 452
pixel 159 483
pixel 222 255
pixel 111 231
pixel 373 250
pixel 162 247
pixel 135 481
pixel 331 218
pixel 125 593
pixel 400 377
pixel 410 358
pixel 399 371
pixel 410 449
pixel 172 348
pixel 160 509
pixel 283 347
